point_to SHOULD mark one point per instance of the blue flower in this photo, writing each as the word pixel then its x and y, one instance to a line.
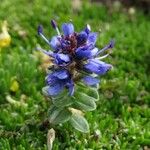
pixel 55 43
pixel 86 52
pixel 58 80
pixel 92 37
pixel 97 67
pixel 62 59
pixel 68 29
pixel 74 55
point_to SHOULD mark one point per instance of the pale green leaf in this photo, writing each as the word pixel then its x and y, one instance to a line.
pixel 63 99
pixel 84 102
pixel 93 92
pixel 58 115
pixel 79 123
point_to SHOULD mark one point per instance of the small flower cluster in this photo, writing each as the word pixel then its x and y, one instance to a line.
pixel 75 58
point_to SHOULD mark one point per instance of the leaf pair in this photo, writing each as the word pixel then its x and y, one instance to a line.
pixel 62 105
pixel 57 116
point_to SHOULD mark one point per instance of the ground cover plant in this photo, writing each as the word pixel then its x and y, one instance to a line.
pixel 121 120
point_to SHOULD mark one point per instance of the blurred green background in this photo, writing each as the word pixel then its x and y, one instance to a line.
pixel 122 118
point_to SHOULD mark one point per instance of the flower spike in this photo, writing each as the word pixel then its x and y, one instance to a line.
pixel 76 53
pixel 75 65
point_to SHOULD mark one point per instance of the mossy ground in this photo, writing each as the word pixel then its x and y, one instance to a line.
pixel 122 115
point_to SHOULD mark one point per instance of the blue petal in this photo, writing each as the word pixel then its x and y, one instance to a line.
pixel 55 89
pixel 55 43
pixel 96 66
pixel 51 79
pixel 87 29
pixel 71 88
pixel 62 59
pixel 90 80
pixel 68 29
pixel 94 51
pixel 82 52
pixel 61 74
pixel 65 43
pixel 86 52
pixel 92 38
pixel 82 38
pixel 49 53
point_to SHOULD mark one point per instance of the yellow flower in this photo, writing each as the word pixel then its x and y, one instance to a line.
pixel 5 38
pixel 14 87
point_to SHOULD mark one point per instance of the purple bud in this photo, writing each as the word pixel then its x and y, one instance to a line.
pixel 111 44
pixel 54 24
pixel 40 29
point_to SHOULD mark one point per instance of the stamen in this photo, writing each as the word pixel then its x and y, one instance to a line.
pixel 45 39
pixel 102 57
pixel 110 45
pixel 54 25
pixel 49 53
pixel 40 29
pixel 58 32
pixel 40 32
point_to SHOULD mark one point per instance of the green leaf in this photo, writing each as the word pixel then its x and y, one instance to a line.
pixel 79 123
pixel 63 99
pixel 84 102
pixel 44 91
pixel 58 115
pixel 90 91
pixel 93 92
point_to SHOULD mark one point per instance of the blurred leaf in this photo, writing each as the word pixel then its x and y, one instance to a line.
pixel 44 91
pixel 84 102
pixel 76 111
pixel 91 91
pixel 76 5
pixel 61 100
pixel 79 123
pixel 16 103
pixel 58 115
pixel 50 138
